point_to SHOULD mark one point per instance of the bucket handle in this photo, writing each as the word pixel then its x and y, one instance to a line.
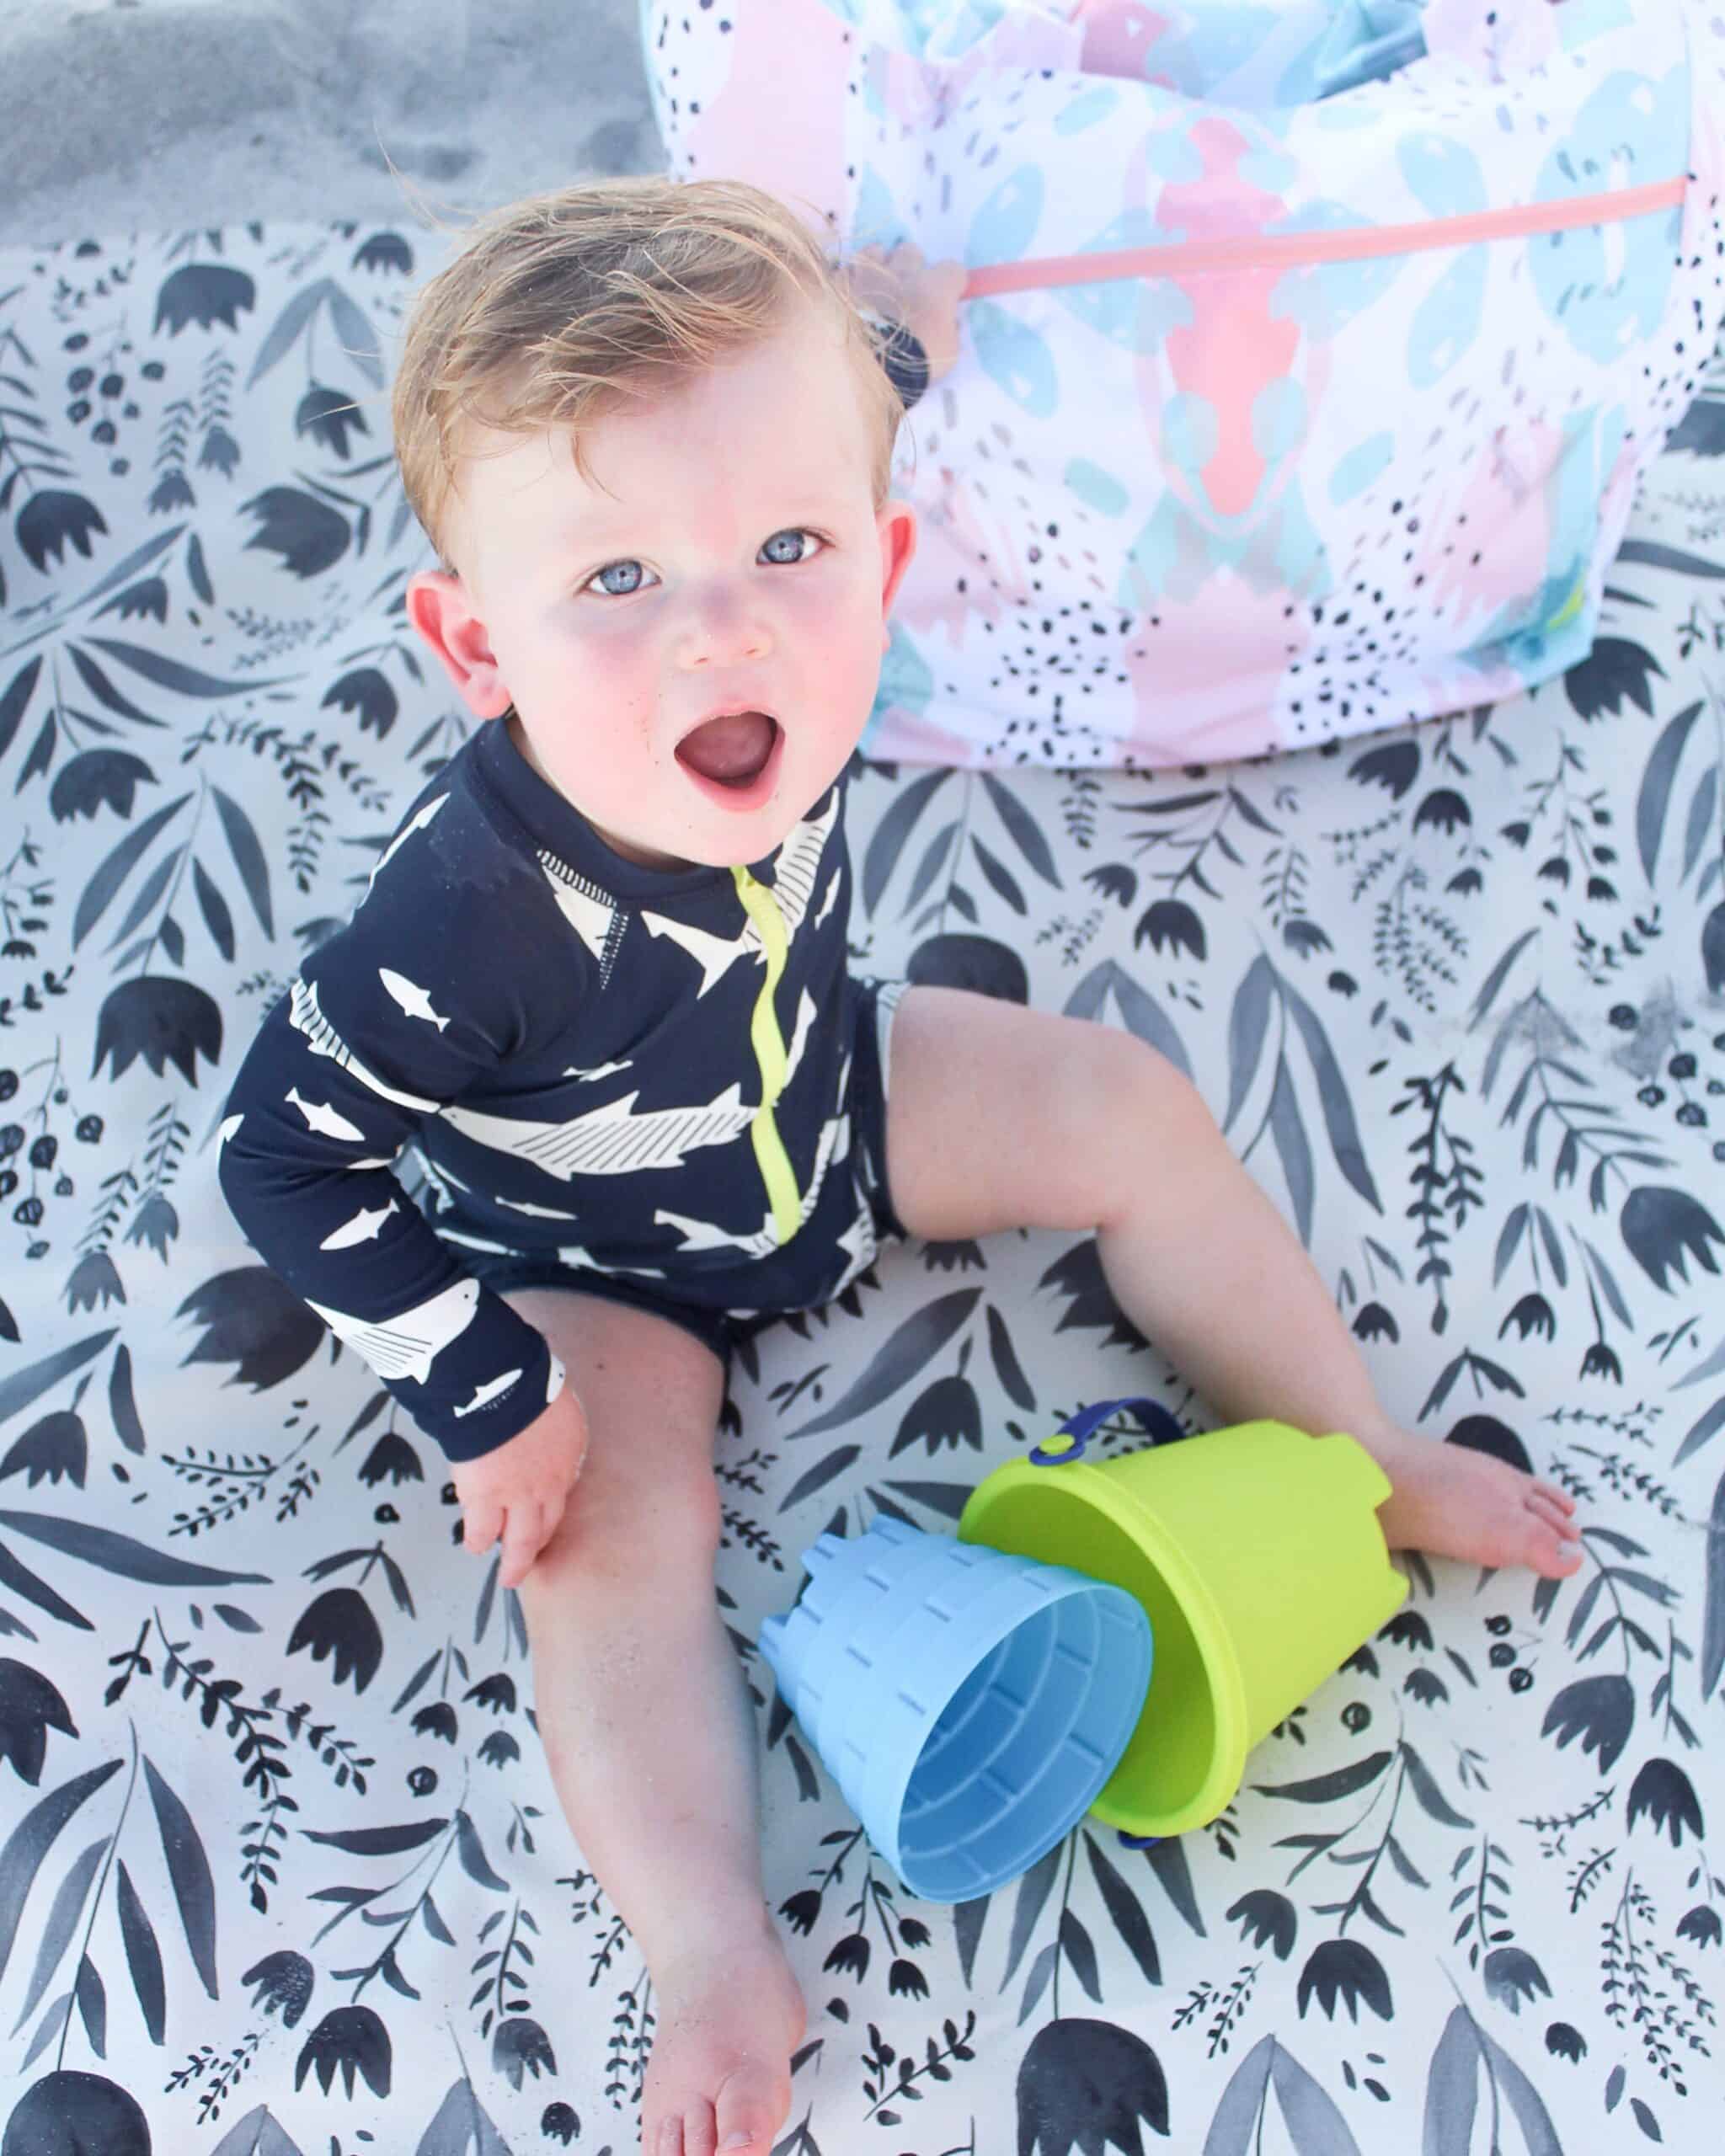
pixel 1080 1427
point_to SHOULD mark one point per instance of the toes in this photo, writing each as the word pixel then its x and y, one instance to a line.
pixel 1561 1498
pixel 1548 1553
pixel 747 2112
pixel 672 2139
pixel 698 2137
pixel 1540 1504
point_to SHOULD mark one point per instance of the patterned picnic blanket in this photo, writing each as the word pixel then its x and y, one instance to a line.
pixel 280 1867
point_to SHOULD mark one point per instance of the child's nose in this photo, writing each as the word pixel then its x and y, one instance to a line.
pixel 727 628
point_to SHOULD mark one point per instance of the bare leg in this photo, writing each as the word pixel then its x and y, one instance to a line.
pixel 1001 1117
pixel 648 1728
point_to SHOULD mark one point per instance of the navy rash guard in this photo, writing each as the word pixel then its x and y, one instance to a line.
pixel 636 1073
pixel 591 1064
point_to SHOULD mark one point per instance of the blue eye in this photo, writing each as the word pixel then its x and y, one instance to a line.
pixel 790 531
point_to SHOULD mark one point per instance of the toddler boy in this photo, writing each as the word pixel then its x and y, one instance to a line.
pixel 598 981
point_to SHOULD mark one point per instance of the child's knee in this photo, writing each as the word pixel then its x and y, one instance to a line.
pixel 1128 1096
pixel 623 1535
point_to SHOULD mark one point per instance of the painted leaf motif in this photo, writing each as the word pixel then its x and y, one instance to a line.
pixel 287 329
pixel 93 2005
pixel 1714 1623
pixel 1027 833
pixel 1248 1022
pixel 1314 2126
pixel 818 1476
pixel 21 1581
pixel 119 1553
pixel 1452 2089
pixel 1007 1368
pixel 257 2134
pixel 1233 2131
pixel 1167 1860
pixel 22 1388
pixel 892 834
pixel 1125 1911
pixel 62 1919
pixel 1288 1128
pixel 474 1861
pixel 1338 1781
pixel 1656 784
pixel 1334 1098
pixel 30 1841
pixel 189 1868
pixel 908 1351
pixel 1033 1889
pixel 142 1955
pixel 15 700
pixel 1000 876
pixel 122 1405
pixel 968 1920
pixel 99 892
pixel 1531 2115
pixel 1432 1800
pixel 379 1841
pixel 248 856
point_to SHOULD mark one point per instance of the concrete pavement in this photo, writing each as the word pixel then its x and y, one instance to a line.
pixel 125 115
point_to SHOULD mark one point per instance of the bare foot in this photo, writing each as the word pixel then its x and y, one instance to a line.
pixel 730 2013
pixel 1455 1502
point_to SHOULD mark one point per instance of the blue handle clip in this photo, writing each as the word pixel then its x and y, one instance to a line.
pixel 1082 1426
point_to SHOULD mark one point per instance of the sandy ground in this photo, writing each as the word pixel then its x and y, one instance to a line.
pixel 125 115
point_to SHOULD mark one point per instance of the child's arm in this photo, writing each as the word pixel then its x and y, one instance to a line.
pixel 307 1170
pixel 384 1027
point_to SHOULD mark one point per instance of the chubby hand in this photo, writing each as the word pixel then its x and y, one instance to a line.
pixel 516 1494
pixel 924 296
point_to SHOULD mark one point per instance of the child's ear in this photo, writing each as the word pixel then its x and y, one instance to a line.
pixel 898 529
pixel 440 608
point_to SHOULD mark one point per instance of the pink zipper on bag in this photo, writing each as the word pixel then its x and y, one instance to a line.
pixel 1292 249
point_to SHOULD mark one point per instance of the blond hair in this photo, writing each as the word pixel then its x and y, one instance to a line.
pixel 561 307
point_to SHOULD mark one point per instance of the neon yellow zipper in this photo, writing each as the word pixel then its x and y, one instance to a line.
pixel 769 1044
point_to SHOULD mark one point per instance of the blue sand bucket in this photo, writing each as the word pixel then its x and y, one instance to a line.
pixel 969 1703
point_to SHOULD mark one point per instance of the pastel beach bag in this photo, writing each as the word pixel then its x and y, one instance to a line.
pixel 1308 356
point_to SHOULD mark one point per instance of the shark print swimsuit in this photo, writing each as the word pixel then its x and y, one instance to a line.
pixel 665 1088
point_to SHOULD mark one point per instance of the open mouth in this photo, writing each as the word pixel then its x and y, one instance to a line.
pixel 736 755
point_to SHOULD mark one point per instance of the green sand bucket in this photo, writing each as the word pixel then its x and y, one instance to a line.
pixel 1257 1555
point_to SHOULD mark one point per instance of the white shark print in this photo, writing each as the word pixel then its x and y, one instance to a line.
pixel 612 1141
pixel 225 1130
pixel 402 837
pixel 323 1038
pixel 364 1227
pixel 492 1389
pixel 615 1141
pixel 322 1118
pixel 407 1345
pixel 598 1070
pixel 798 865
pixel 706 1235
pixel 412 998
pixel 715 955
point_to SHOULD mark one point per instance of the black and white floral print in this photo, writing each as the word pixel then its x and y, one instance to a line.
pixel 281 1868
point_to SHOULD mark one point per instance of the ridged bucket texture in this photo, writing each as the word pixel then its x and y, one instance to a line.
pixel 968 1702
pixel 1256 1554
